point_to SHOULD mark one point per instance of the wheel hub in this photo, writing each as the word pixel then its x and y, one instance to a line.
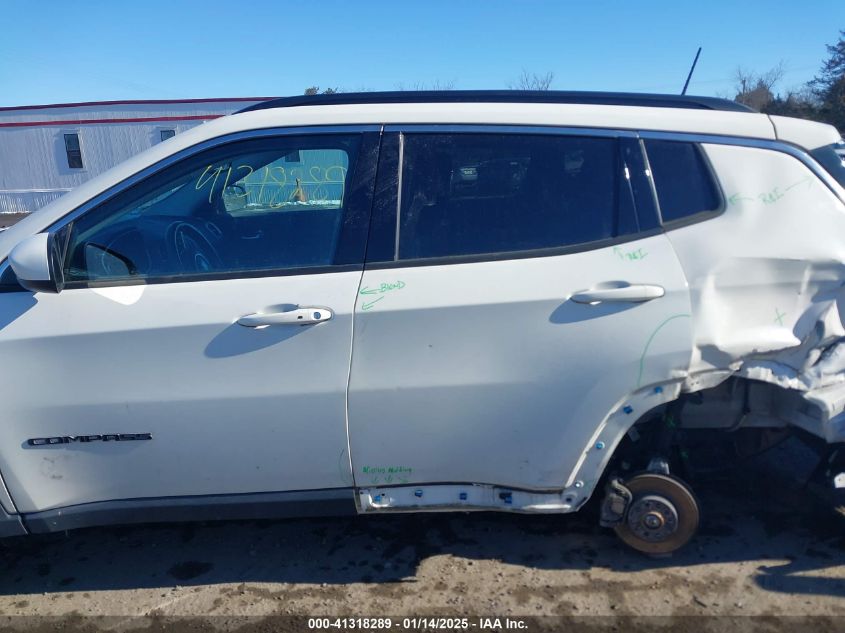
pixel 662 515
pixel 653 518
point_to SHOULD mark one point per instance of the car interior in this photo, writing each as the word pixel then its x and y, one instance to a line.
pixel 199 224
pixel 471 194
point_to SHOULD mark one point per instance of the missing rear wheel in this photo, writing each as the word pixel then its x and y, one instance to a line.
pixel 662 516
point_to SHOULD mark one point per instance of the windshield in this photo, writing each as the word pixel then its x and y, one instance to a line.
pixel 832 158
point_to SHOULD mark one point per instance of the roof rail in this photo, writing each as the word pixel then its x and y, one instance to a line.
pixel 506 96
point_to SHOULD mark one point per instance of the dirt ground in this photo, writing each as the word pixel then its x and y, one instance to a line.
pixel 767 547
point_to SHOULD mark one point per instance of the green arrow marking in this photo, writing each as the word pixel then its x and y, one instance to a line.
pixel 369 291
pixel 808 180
pixel 737 198
pixel 367 305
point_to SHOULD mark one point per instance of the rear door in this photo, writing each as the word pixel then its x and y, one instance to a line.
pixel 517 301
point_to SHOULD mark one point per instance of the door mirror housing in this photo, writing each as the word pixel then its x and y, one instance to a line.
pixel 37 262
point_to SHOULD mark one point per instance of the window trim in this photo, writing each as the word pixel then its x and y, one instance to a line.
pixel 216 276
pixel 487 128
pixel 399 184
pixel 364 173
pixel 645 202
pixel 553 251
pixel 381 231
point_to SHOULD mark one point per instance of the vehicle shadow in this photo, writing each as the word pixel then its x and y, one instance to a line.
pixel 755 514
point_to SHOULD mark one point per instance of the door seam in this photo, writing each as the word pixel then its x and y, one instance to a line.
pixel 352 334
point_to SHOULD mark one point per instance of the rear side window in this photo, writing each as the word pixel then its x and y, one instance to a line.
pixel 682 178
pixel 470 194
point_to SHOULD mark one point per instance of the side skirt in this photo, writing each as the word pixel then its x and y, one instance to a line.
pixel 270 505
pixel 465 498
pixel 277 505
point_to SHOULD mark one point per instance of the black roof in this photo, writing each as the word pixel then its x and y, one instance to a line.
pixel 506 96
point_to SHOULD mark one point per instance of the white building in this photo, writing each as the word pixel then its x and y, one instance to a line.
pixel 46 150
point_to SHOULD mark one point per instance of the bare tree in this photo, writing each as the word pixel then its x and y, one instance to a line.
pixel 532 81
pixel 801 102
pixel 437 84
pixel 756 90
pixel 315 90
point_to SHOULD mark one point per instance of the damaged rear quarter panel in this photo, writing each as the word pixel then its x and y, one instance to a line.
pixel 766 277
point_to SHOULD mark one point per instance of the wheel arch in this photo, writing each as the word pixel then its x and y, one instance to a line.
pixel 731 404
pixel 639 406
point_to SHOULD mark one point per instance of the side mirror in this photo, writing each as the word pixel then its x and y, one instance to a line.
pixel 37 262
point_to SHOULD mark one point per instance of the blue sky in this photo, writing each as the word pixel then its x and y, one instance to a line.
pixel 58 50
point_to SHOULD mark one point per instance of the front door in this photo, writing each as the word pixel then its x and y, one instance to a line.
pixel 525 300
pixel 201 345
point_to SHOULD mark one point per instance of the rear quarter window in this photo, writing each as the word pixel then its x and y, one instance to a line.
pixel 683 180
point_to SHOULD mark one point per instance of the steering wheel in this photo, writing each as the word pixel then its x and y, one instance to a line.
pixel 194 253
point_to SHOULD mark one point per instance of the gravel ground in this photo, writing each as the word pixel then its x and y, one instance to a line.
pixel 766 547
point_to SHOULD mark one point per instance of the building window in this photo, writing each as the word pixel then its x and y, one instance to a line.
pixel 166 134
pixel 74 152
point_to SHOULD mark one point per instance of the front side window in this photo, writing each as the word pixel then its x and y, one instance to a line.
pixel 259 205
pixel 73 151
pixel 470 194
pixel 166 134
pixel 683 181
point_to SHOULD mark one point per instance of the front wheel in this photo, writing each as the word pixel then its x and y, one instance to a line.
pixel 662 516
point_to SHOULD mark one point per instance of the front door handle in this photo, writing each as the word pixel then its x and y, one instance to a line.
pixel 633 293
pixel 298 316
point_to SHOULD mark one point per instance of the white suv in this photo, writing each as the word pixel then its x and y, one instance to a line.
pixel 425 301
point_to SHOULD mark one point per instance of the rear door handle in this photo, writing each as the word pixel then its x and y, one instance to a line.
pixel 632 293
pixel 299 316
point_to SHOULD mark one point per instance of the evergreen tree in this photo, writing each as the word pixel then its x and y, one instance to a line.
pixel 829 85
